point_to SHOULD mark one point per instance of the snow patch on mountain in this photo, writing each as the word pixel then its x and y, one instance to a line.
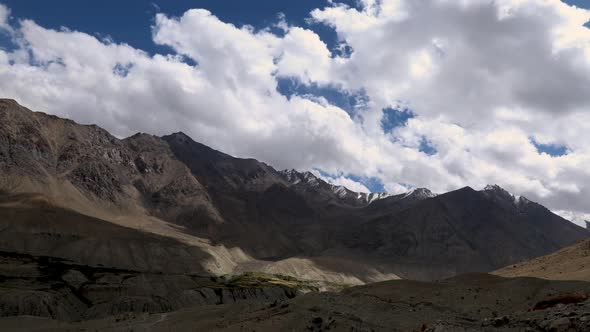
pixel 313 181
pixel 503 194
pixel 421 193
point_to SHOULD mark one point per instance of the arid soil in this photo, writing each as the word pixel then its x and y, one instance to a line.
pixel 571 263
pixel 472 302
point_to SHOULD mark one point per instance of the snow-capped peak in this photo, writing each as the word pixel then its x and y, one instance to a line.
pixel 371 197
pixel 497 191
pixel 290 175
pixel 310 180
pixel 494 187
pixel 340 191
pixel 294 177
pixel 422 193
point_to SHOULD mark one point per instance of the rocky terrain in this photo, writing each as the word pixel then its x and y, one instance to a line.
pixel 59 290
pixel 471 302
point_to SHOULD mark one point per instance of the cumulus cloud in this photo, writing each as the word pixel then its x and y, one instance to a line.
pixel 4 14
pixel 348 183
pixel 466 58
pixel 578 218
pixel 484 80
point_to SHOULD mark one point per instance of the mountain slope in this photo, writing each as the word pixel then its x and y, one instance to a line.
pixel 570 263
pixel 32 224
pixel 242 214
pixel 460 231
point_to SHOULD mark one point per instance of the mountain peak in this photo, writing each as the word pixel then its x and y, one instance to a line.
pixel 8 101
pixel 308 180
pixel 179 135
pixel 497 191
pixel 294 177
pixel 493 187
pixel 139 135
pixel 11 106
pixel 422 193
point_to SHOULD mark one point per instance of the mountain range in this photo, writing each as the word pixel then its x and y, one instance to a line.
pixel 170 204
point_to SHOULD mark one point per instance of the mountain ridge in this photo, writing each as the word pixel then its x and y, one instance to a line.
pixel 243 214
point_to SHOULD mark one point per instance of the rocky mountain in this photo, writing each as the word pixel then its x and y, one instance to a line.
pixel 154 204
pixel 308 184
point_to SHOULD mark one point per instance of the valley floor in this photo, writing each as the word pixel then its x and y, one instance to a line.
pixel 75 298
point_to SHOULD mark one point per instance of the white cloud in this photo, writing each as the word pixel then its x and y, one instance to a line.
pixel 304 55
pixel 477 61
pixel 483 78
pixel 578 218
pixel 4 14
pixel 348 183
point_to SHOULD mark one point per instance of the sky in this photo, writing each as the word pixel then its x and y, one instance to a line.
pixel 376 95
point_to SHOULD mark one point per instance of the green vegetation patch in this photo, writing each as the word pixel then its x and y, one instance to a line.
pixel 264 280
pixel 261 280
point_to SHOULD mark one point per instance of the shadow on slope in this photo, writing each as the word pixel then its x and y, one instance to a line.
pixel 32 224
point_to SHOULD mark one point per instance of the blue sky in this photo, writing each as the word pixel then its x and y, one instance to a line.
pixel 554 150
pixel 474 88
pixel 126 21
